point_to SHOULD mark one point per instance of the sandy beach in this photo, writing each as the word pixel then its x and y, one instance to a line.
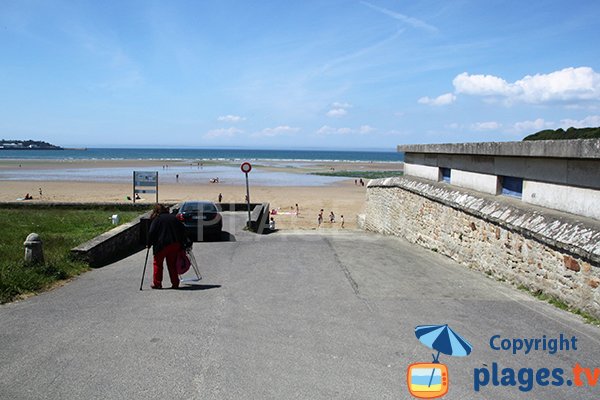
pixel 343 197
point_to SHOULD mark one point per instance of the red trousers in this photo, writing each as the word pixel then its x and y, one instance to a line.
pixel 170 254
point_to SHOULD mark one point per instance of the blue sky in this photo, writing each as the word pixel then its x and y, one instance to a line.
pixel 295 74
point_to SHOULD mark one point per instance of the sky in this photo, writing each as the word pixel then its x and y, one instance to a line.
pixel 292 74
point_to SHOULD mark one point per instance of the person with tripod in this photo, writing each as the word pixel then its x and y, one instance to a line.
pixel 166 236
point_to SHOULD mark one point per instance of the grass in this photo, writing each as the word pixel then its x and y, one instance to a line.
pixel 590 319
pixel 60 231
pixel 361 174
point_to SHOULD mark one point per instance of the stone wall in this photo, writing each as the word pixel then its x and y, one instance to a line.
pixel 541 249
pixel 118 243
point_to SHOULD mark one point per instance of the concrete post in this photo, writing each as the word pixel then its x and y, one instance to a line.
pixel 33 249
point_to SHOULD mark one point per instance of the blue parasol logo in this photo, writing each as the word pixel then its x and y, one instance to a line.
pixel 444 340
pixel 430 380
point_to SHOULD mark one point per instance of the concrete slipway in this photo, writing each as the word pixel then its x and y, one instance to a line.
pixel 316 315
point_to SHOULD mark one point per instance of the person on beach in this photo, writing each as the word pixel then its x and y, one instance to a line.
pixel 342 221
pixel 331 217
pixel 177 178
pixel 41 195
pixel 272 224
pixel 220 197
pixel 166 236
pixel 320 218
pixel 297 210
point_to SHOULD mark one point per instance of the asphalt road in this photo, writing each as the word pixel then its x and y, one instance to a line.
pixel 282 316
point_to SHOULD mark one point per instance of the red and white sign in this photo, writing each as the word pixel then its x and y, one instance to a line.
pixel 246 167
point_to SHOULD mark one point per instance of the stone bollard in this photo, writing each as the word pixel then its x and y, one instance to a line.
pixel 33 249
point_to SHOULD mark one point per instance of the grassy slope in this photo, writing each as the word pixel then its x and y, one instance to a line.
pixel 60 231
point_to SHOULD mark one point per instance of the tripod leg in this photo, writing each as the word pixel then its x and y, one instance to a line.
pixel 194 264
pixel 144 273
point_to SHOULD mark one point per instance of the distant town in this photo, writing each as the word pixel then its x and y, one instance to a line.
pixel 27 145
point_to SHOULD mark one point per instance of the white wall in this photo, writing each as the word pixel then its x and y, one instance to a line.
pixel 571 199
pixel 471 180
pixel 422 171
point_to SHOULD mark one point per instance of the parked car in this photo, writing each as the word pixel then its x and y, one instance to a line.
pixel 201 219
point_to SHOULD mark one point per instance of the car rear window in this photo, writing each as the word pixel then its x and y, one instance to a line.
pixel 199 207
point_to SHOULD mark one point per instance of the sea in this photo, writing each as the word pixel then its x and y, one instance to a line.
pixel 204 154
pixel 185 166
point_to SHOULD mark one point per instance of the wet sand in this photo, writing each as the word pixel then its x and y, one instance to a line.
pixel 343 198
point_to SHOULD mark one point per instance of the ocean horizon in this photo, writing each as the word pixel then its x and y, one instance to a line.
pixel 199 154
pixel 184 165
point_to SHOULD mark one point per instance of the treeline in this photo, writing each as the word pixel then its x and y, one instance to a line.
pixel 27 145
pixel 560 134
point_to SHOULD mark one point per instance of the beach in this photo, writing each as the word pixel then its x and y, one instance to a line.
pixel 281 185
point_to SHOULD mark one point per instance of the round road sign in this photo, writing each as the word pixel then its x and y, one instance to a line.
pixel 246 167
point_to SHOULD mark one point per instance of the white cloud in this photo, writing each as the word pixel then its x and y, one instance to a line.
pixel 532 126
pixel 327 130
pixel 486 126
pixel 336 112
pixel 441 100
pixel 539 124
pixel 567 85
pixel 231 118
pixel 345 131
pixel 338 109
pixel 481 85
pixel 366 129
pixel 223 132
pixel 591 121
pixel 277 131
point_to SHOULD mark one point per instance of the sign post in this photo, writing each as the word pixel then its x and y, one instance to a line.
pixel 246 168
pixel 144 179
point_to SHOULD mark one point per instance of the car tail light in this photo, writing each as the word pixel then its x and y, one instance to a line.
pixel 180 217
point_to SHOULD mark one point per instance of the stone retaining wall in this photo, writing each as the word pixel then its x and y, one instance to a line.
pixel 541 249
pixel 130 238
pixel 118 243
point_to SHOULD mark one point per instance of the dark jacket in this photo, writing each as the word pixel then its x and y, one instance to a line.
pixel 164 230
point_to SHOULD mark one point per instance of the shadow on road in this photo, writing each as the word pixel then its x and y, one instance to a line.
pixel 199 287
pixel 222 236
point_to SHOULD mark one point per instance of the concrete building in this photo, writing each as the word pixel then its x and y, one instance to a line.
pixel 524 212
pixel 559 174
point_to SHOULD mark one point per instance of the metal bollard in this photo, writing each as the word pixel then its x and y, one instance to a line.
pixel 33 249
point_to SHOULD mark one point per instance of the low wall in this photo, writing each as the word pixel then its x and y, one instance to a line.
pixel 34 204
pixel 259 218
pixel 118 243
pixel 130 238
pixel 541 249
